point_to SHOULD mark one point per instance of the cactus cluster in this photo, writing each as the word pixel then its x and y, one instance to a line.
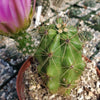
pixel 59 56
pixel 75 12
pixel 98 1
pixel 25 43
pixel 46 6
pixel 57 2
pixel 90 3
pixel 96 19
pixel 85 36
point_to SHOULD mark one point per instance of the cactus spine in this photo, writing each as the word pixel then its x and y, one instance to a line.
pixel 61 57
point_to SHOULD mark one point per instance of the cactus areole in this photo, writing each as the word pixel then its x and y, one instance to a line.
pixel 59 56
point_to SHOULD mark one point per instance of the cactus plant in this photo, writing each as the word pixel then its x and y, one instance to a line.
pixel 98 1
pixel 90 3
pixel 57 2
pixel 59 56
pixel 85 36
pixel 25 43
pixel 74 12
pixel 96 19
pixel 46 6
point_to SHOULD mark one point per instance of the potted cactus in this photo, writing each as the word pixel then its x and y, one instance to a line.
pixel 59 55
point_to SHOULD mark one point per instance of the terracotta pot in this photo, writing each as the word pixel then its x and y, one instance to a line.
pixel 97 69
pixel 87 59
pixel 19 82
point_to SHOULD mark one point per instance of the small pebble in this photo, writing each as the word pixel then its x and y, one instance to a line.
pixel 91 94
pixel 32 87
pixel 87 97
pixel 79 90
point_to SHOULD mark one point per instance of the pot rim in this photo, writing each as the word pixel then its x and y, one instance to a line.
pixel 25 65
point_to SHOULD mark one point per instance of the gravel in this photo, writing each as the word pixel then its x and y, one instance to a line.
pixel 90 46
pixel 8 92
pixel 6 71
pixel 96 7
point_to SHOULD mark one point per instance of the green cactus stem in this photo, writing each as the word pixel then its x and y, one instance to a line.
pixel 47 39
pixel 59 56
pixel 54 66
pixel 25 43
